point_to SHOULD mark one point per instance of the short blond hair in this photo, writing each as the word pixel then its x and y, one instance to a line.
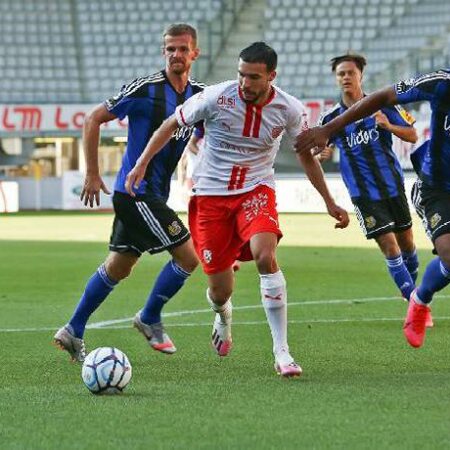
pixel 178 29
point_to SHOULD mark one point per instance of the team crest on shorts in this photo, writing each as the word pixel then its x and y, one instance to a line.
pixel 370 221
pixel 435 219
pixel 174 228
pixel 254 206
pixel 207 256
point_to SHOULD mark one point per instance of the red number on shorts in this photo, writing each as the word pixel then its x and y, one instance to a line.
pixel 237 178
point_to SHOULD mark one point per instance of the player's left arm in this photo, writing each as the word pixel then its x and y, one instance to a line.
pixel 158 140
pixel 315 175
pixel 406 132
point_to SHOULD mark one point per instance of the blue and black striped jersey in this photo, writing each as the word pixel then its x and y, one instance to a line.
pixel 147 102
pixel 433 161
pixel 368 164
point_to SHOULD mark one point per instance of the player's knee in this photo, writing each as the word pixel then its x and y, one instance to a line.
pixel 220 294
pixel 445 257
pixel 188 263
pixel 118 272
pixel 185 256
pixel 265 261
pixel 442 245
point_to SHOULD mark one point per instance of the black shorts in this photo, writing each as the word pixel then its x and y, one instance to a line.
pixel 378 217
pixel 145 224
pixel 433 207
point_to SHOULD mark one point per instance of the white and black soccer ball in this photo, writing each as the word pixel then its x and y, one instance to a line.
pixel 106 370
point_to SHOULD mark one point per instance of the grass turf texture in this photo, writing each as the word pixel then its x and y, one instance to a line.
pixel 362 387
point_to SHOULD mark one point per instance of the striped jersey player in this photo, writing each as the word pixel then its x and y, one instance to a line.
pixel 431 193
pixel 144 222
pixel 232 214
pixel 372 173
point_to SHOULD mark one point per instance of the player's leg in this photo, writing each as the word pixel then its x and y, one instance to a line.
pixel 218 295
pixel 156 228
pixel 405 240
pixel 116 267
pixel 258 225
pixel 169 281
pixel 435 278
pixel 401 214
pixel 395 264
pixel 437 272
pixel 379 221
pixel 211 221
pixel 274 299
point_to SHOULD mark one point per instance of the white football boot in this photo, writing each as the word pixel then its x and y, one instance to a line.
pixel 286 366
pixel 221 335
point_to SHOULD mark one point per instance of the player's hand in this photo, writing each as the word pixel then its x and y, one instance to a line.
pixel 340 214
pixel 325 154
pixel 90 193
pixel 134 178
pixel 381 120
pixel 313 137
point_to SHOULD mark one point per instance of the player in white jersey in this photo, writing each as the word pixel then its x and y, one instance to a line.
pixel 232 214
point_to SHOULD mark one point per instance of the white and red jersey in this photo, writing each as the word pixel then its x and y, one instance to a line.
pixel 241 139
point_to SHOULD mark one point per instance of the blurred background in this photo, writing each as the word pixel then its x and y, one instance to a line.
pixel 59 58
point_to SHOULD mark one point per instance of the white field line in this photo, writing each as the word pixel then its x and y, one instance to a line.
pixel 107 323
pixel 115 324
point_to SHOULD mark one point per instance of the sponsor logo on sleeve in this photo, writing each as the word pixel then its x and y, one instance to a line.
pixel 404 85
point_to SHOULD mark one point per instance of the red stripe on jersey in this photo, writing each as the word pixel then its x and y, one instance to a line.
pixel 233 178
pixel 182 117
pixel 248 120
pixel 257 123
pixel 242 175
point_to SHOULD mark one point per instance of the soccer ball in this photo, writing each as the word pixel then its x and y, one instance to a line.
pixel 106 370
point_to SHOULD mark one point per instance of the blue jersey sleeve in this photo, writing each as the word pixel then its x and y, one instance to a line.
pixel 126 101
pixel 399 116
pixel 423 87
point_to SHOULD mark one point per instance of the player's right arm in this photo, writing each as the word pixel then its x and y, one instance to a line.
pixel 93 182
pixel 158 140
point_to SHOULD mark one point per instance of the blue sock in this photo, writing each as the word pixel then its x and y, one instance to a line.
pixel 168 283
pixel 97 289
pixel 399 273
pixel 435 278
pixel 412 263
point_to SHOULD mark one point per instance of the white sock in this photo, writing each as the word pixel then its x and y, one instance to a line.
pixel 224 310
pixel 274 300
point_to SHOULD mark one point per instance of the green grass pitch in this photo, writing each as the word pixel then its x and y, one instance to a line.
pixel 362 386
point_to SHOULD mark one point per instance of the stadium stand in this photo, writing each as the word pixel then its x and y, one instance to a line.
pixel 307 33
pixel 83 50
pixel 38 56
